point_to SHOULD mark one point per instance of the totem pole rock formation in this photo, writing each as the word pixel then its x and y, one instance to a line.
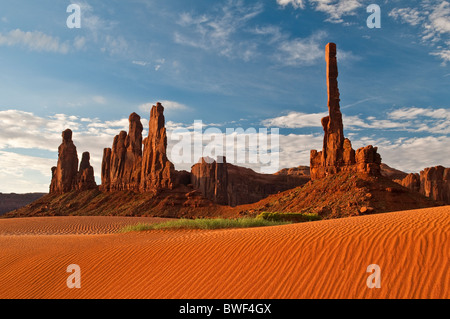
pixel 127 167
pixel 337 154
pixel 64 175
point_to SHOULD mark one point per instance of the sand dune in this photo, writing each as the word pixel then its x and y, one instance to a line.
pixel 77 225
pixel 326 259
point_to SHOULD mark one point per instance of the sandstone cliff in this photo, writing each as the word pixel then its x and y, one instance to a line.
pixel 227 184
pixel 432 182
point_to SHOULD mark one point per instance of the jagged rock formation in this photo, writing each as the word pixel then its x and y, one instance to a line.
pixel 411 181
pixel 432 182
pixel 64 175
pixel 86 179
pixel 211 179
pixel 337 154
pixel 435 183
pixel 157 171
pixel 121 165
pixel 227 184
pixel 126 167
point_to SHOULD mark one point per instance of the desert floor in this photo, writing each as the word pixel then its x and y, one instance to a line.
pixel 325 259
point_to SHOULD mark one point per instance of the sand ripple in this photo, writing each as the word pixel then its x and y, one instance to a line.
pixel 326 259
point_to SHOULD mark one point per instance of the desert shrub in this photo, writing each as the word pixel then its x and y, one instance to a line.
pixel 206 223
pixel 291 217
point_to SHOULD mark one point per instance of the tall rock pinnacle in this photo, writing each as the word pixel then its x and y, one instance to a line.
pixel 157 171
pixel 64 175
pixel 121 165
pixel 126 166
pixel 333 126
pixel 337 153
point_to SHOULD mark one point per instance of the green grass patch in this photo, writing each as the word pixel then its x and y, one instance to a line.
pixel 288 217
pixel 206 223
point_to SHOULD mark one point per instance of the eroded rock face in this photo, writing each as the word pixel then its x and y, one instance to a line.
pixel 411 181
pixel 86 179
pixel 337 154
pixel 228 184
pixel 127 167
pixel 106 170
pixel 435 183
pixel 157 171
pixel 121 165
pixel 64 175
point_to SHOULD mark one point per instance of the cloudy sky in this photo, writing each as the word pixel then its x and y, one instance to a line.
pixel 229 63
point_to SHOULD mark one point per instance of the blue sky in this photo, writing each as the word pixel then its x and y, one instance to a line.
pixel 231 63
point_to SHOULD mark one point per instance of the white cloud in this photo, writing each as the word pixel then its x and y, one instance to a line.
pixel 24 174
pixel 296 120
pixel 141 63
pixel 34 41
pixel 434 121
pixel 412 154
pixel 79 43
pixel 411 16
pixel 444 54
pixel 295 3
pixel 305 51
pixel 99 99
pixel 215 32
pixel 415 112
pixel 334 9
pixel 433 17
pixel 24 130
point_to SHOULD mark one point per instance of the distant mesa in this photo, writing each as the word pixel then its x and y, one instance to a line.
pixel 228 184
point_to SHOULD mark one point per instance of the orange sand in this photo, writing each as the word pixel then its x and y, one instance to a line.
pixel 326 259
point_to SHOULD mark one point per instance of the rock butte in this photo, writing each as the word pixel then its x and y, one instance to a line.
pixel 141 165
pixel 433 182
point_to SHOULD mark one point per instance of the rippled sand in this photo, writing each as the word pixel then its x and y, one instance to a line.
pixel 325 259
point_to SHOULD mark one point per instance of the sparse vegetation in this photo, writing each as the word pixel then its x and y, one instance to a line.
pixel 289 217
pixel 206 223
